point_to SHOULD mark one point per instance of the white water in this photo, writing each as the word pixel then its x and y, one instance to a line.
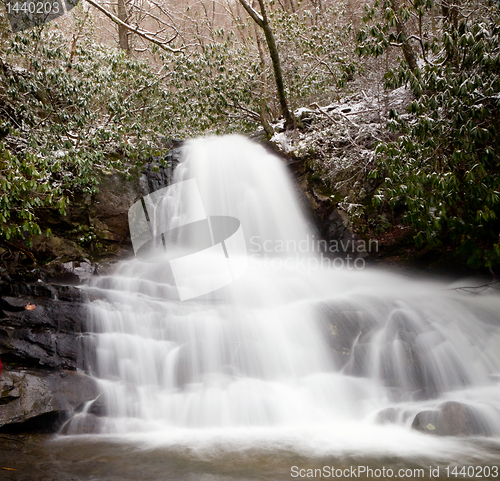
pixel 286 356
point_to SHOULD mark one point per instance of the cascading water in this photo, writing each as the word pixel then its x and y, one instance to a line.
pixel 293 353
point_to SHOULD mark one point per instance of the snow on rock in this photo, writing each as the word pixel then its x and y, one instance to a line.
pixel 337 143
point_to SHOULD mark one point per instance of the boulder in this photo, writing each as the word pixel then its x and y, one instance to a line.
pixel 387 416
pixel 100 406
pixel 452 419
pixel 26 395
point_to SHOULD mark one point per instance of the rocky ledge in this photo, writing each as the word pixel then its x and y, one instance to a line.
pixel 36 399
pixel 42 380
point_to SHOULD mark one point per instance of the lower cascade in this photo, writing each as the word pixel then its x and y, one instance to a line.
pixel 296 351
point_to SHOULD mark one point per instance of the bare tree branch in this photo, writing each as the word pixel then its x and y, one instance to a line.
pixel 257 18
pixel 149 36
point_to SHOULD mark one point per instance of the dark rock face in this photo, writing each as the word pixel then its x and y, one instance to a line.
pixel 452 419
pixel 28 394
pixel 332 223
pixel 160 171
pixel 96 226
pixel 83 423
pixel 47 337
pixel 41 351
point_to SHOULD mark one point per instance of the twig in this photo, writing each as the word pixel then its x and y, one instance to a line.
pixel 477 289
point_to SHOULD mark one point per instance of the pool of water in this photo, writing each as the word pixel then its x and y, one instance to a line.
pixel 198 458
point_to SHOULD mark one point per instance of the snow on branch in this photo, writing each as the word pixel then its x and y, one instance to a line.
pixel 253 13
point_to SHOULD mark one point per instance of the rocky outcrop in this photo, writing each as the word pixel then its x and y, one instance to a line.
pixel 388 346
pixel 41 351
pixel 47 337
pixel 160 171
pixel 96 226
pixel 41 399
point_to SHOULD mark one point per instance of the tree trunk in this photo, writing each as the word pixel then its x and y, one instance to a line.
pixel 451 14
pixel 408 52
pixel 278 76
pixel 122 31
pixel 262 104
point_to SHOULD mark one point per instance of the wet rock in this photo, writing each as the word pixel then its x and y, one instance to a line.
pixel 387 416
pixel 108 213
pixel 360 363
pixel 334 225
pixel 29 394
pixel 68 293
pixel 452 419
pixel 160 171
pixel 105 268
pixel 342 326
pixel 83 271
pixel 47 337
pixel 82 423
pixel 35 289
pixel 392 415
pixel 99 407
pixel 388 350
pixel 401 367
pixel 398 364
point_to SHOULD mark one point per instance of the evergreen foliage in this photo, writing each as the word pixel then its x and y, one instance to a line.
pixel 67 111
pixel 443 170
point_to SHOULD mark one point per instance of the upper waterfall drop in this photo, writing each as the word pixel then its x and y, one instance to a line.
pixel 340 354
pixel 240 178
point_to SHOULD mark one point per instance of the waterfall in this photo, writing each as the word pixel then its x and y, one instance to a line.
pixel 293 345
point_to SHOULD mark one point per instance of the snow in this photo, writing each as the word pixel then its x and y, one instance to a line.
pixel 339 139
